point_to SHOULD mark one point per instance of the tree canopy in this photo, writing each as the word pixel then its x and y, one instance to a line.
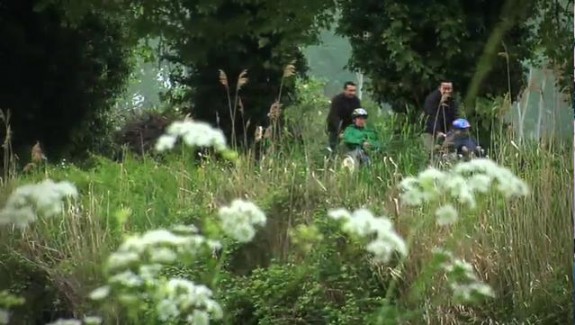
pixel 58 79
pixel 70 59
pixel 406 47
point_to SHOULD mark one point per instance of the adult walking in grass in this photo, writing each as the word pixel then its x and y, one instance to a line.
pixel 440 109
pixel 339 117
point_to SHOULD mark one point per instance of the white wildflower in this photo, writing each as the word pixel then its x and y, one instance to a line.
pixel 100 293
pixel 166 142
pixel 163 255
pixel 4 316
pixel 198 317
pixel 181 297
pixel 363 223
pixel 480 182
pixel 187 229
pixel 461 183
pixel 149 272
pixel 135 269
pixel 446 215
pixel 412 194
pixel 123 259
pixel 463 281
pixel 92 320
pixel 470 292
pixel 19 217
pixel 338 214
pixel 66 322
pixel 238 220
pixel 28 201
pixel 194 133
pixel 126 279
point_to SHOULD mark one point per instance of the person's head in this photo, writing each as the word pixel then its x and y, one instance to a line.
pixel 359 117
pixel 461 125
pixel 446 88
pixel 349 89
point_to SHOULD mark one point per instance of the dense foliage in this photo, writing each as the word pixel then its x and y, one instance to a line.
pixel 59 80
pixel 407 48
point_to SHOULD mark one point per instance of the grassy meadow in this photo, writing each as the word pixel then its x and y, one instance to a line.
pixel 520 247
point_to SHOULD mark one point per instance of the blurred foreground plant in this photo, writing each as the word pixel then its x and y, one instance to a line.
pixel 135 274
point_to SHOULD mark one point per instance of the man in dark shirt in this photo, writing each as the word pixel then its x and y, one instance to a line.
pixel 440 110
pixel 339 117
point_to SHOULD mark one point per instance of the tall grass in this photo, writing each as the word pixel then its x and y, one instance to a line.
pixel 523 249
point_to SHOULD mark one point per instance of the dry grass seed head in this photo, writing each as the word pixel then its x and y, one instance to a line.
pixel 242 78
pixel 37 155
pixel 223 78
pixel 289 69
pixel 275 111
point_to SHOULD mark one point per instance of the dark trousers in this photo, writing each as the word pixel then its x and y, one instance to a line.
pixel 333 140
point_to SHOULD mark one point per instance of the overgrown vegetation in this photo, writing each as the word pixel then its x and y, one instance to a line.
pixel 267 247
pixel 405 48
pixel 300 268
pixel 63 79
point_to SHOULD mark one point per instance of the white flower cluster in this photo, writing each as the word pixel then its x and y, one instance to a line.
pixel 446 215
pixel 4 316
pixel 135 272
pixel 194 134
pixel 462 182
pixel 462 280
pixel 88 320
pixel 363 224
pixel 238 220
pixel 181 296
pixel 28 201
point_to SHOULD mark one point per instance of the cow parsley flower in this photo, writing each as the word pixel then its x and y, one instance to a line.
pixel 62 321
pixel 462 183
pixel 135 274
pixel 181 298
pixel 140 259
pixel 194 134
pixel 29 201
pixel 463 281
pixel 88 320
pixel 238 220
pixel 92 320
pixel 446 215
pixel 4 316
pixel 363 223
pixel 166 142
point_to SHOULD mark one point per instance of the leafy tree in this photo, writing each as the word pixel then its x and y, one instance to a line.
pixel 59 79
pixel 407 47
pixel 203 37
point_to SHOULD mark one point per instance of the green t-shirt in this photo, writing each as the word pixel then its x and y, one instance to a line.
pixel 354 137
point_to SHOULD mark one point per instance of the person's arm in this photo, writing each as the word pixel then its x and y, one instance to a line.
pixel 334 119
pixel 352 137
pixel 449 141
pixel 431 103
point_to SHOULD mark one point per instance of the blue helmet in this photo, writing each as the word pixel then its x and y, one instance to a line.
pixel 461 123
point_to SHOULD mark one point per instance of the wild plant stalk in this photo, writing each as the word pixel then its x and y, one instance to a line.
pixel 275 109
pixel 7 146
pixel 224 81
pixel 242 80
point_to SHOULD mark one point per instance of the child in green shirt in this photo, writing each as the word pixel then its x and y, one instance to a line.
pixel 359 138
